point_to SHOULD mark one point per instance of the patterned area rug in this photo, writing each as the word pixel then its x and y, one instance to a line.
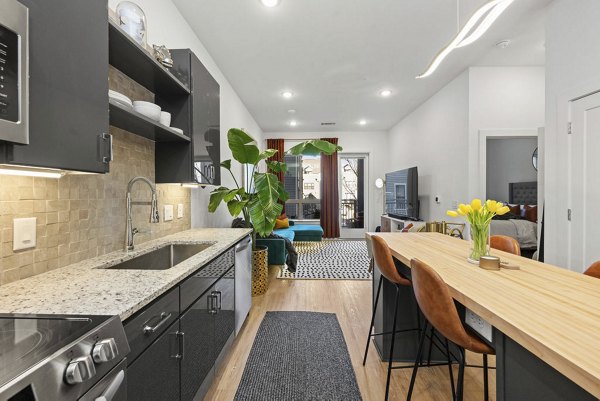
pixel 330 260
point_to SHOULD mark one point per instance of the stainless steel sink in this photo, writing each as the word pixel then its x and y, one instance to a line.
pixel 162 258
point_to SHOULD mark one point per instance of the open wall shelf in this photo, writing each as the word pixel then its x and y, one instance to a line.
pixel 126 118
pixel 132 59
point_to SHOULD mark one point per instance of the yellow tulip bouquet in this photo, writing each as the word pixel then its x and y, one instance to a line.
pixel 479 215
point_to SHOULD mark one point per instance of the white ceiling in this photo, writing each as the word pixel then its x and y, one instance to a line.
pixel 336 55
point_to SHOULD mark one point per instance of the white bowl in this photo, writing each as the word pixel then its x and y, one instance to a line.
pixel 148 109
pixel 165 118
pixel 179 130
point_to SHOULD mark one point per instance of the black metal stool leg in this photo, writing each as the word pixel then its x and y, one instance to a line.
pixel 373 318
pixel 461 376
pixel 391 355
pixel 417 361
pixel 485 377
pixel 450 371
pixel 430 345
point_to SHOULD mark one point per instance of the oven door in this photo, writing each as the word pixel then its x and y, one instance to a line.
pixel 112 387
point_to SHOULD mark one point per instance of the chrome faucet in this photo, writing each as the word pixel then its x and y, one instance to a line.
pixel 130 232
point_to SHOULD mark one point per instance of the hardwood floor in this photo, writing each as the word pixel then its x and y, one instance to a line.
pixel 350 300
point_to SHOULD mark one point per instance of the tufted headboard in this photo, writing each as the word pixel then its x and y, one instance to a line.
pixel 522 193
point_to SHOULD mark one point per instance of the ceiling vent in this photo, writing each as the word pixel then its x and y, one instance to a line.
pixel 324 124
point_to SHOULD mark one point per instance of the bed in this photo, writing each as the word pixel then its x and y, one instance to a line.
pixel 523 230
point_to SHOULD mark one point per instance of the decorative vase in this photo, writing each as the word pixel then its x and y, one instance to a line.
pixel 480 242
pixel 260 271
pixel 133 21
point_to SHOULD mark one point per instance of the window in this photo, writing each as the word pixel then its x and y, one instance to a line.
pixel 303 182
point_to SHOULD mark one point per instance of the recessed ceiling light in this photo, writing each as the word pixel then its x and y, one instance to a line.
pixel 363 122
pixel 385 92
pixel 270 3
pixel 291 111
pixel 287 94
pixel 293 123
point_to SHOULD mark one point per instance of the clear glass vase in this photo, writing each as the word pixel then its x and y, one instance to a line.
pixel 480 241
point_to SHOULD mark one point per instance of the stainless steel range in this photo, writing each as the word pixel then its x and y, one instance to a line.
pixel 48 357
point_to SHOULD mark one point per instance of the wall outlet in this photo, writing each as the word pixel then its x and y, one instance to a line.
pixel 24 233
pixel 482 327
pixel 179 210
pixel 168 213
pixel 454 205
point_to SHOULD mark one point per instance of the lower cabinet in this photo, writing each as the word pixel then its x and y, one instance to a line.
pixel 207 326
pixel 155 374
pixel 181 360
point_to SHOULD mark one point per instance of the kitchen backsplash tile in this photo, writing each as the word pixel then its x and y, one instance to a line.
pixel 83 216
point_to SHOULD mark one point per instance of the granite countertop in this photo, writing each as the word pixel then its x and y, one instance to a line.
pixel 87 288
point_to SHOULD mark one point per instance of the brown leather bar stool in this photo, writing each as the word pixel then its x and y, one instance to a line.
pixel 437 305
pixel 506 244
pixel 593 270
pixel 385 262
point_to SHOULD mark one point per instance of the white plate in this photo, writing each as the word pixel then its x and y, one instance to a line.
pixel 149 112
pixel 179 130
pixel 123 103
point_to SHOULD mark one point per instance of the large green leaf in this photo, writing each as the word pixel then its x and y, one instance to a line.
pixel 243 146
pixel 235 206
pixel 265 210
pixel 283 194
pixel 314 147
pixel 264 222
pixel 226 164
pixel 267 153
pixel 216 197
pixel 276 167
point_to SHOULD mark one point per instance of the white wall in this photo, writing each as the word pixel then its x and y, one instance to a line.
pixel 374 143
pixel 502 98
pixel 572 70
pixel 434 138
pixel 167 26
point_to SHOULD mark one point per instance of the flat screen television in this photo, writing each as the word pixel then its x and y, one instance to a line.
pixel 402 194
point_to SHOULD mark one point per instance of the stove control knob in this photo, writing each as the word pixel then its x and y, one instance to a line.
pixel 105 350
pixel 80 370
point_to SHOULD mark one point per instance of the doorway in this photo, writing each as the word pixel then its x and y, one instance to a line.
pixel 353 173
pixel 583 192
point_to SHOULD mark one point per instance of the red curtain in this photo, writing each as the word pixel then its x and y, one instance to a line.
pixel 330 216
pixel 276 144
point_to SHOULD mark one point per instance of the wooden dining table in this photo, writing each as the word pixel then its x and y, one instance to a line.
pixel 545 319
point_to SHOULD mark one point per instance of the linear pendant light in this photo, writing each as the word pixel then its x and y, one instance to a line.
pixel 491 11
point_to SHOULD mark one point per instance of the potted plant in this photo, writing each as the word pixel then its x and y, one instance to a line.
pixel 262 202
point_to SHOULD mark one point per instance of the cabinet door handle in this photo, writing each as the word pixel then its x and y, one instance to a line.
pixel 211 303
pixel 181 344
pixel 164 317
pixel 217 295
pixel 110 147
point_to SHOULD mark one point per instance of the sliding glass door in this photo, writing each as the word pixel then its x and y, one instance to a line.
pixel 353 173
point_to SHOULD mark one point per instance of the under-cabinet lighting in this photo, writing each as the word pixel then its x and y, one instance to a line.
pixel 493 9
pixel 190 185
pixel 31 173
pixel 270 3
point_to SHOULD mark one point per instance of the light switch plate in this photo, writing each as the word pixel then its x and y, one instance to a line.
pixel 179 210
pixel 168 212
pixel 24 233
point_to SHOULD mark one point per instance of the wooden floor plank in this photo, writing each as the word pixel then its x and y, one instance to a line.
pixel 351 301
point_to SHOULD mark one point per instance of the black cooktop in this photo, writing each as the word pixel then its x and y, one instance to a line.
pixel 26 340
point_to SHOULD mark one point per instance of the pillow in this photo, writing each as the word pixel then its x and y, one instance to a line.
pixel 531 213
pixel 515 209
pixel 407 227
pixel 282 223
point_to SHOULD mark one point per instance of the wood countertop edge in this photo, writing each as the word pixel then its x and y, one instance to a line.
pixel 584 375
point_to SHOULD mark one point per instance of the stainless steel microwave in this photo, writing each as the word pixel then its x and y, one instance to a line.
pixel 14 72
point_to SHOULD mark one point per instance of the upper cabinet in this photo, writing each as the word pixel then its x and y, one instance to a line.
pixel 200 113
pixel 68 66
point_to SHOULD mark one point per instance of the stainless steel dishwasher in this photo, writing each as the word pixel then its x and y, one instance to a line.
pixel 243 281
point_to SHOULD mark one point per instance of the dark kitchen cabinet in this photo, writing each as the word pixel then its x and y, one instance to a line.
pixel 68 101
pixel 208 325
pixel 198 115
pixel 155 374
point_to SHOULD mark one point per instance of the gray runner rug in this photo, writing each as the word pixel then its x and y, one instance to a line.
pixel 298 356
